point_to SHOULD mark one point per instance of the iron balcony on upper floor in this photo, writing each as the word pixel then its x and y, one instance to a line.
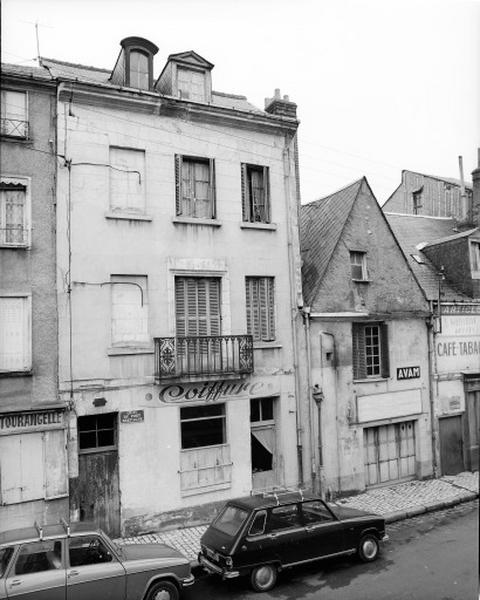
pixel 193 356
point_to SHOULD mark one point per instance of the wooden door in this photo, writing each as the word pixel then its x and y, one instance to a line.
pixel 472 404
pixel 451 445
pixel 98 494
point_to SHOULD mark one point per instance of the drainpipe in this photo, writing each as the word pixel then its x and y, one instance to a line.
pixel 311 416
pixel 432 395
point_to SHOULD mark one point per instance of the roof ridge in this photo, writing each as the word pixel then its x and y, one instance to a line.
pixel 227 95
pixel 451 180
pixel 70 64
pixel 319 200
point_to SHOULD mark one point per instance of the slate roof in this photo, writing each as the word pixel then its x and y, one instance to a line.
pixel 24 71
pixel 86 74
pixel 451 180
pixel 321 225
pixel 413 230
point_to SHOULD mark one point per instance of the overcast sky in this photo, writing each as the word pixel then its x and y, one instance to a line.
pixel 381 85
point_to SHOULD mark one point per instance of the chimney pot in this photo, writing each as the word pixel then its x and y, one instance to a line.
pixel 286 98
pixel 277 93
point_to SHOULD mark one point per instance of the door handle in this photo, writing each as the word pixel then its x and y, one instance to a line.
pixel 15 582
pixel 73 573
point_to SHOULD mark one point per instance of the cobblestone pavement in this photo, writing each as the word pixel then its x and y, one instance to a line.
pixel 395 503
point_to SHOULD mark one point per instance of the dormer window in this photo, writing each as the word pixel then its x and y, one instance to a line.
pixel 139 73
pixel 475 258
pixel 191 84
pixel 358 264
pixel 134 66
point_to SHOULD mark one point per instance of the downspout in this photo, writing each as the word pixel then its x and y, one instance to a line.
pixel 293 310
pixel 313 462
pixel 432 369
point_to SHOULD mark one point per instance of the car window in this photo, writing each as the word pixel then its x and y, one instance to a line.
pixel 88 550
pixel 315 512
pixel 230 520
pixel 39 556
pixel 5 556
pixel 258 524
pixel 284 517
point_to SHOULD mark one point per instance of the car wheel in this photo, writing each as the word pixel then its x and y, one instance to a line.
pixel 263 578
pixel 163 590
pixel 368 548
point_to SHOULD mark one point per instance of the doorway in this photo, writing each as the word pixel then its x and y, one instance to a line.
pixel 263 443
pixel 451 445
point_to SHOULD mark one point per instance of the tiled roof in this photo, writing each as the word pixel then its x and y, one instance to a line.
pixel 321 225
pixel 86 74
pixel 413 230
pixel 451 180
pixel 24 71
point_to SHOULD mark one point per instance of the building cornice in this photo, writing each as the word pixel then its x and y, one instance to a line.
pixel 151 103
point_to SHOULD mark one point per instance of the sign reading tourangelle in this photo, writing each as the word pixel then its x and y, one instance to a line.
pixel 31 421
pixel 210 391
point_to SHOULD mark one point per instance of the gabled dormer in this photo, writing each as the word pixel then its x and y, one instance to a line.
pixel 134 66
pixel 186 75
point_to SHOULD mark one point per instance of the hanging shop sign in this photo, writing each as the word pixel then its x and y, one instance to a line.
pixel 210 391
pixel 132 416
pixel 408 372
pixel 31 421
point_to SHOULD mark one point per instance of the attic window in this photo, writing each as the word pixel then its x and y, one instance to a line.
pixel 191 84
pixel 417 200
pixel 358 263
pixel 138 72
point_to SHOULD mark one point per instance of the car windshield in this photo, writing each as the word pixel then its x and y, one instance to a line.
pixel 5 554
pixel 230 520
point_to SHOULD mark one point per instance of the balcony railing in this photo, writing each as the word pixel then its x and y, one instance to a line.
pixel 203 355
pixel 14 128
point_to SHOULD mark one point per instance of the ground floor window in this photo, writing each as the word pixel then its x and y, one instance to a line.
pixel 389 452
pixel 205 456
pixel 97 432
pixel 262 442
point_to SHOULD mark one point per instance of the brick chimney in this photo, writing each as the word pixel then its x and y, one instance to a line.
pixel 476 193
pixel 281 106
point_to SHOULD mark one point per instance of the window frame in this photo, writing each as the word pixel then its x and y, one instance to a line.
pixel 4 117
pixel 128 68
pixel 190 69
pixel 361 263
pixel 12 184
pixel 475 258
pixel 137 281
pixel 248 207
pixel 97 448
pixel 222 417
pixel 180 159
pixel 266 315
pixel 360 356
pixel 116 208
pixel 27 334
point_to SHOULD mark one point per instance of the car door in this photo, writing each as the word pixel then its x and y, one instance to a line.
pixel 37 572
pixel 284 533
pixel 324 533
pixel 93 572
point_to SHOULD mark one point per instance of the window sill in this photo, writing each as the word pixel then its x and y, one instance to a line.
pixel 206 490
pixel 361 280
pixel 15 246
pixel 126 216
pixel 195 221
pixel 371 380
pixel 264 226
pixel 266 345
pixel 27 373
pixel 126 350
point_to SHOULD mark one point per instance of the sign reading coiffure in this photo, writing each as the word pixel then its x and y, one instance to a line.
pixel 217 390
pixel 31 421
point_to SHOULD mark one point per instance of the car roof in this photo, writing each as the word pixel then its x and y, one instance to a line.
pixel 31 534
pixel 268 499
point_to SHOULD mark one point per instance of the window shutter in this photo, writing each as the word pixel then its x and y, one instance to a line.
pixel 249 304
pixel 180 307
pixel 14 334
pixel 266 188
pixel 245 203
pixel 384 354
pixel 271 308
pixel 178 184
pixel 211 189
pixel 358 351
pixel 214 305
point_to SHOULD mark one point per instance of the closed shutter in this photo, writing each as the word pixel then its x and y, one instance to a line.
pixel 15 352
pixel 21 468
pixel 358 351
pixel 56 459
pixel 129 315
pixel 178 184
pixel 245 195
pixel 260 308
pixel 197 306
pixel 384 350
pixel 212 189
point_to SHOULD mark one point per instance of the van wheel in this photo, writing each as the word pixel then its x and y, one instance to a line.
pixel 163 590
pixel 263 578
pixel 368 548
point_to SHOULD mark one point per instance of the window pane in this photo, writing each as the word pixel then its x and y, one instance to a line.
pixel 230 520
pixel 283 517
pixel 5 556
pixel 254 410
pixel 106 437
pixel 88 550
pixel 38 556
pixel 139 70
pixel 195 412
pixel 208 432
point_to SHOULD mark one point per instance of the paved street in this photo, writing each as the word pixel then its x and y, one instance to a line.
pixel 430 557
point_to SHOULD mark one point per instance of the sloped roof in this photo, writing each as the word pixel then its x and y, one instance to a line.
pixel 24 71
pixel 414 230
pixel 191 57
pixel 321 225
pixel 451 180
pixel 86 74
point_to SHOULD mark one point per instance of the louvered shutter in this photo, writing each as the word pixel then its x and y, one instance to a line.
pixel 180 306
pixel 271 308
pixel 384 357
pixel 178 185
pixel 212 189
pixel 197 306
pixel 245 194
pixel 249 304
pixel 358 351
pixel 214 306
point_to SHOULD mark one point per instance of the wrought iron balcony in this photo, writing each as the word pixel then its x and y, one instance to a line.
pixel 14 128
pixel 203 355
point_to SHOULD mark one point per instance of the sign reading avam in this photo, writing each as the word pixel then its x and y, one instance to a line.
pixel 408 372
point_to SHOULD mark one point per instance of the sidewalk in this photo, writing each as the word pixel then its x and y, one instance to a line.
pixel 395 503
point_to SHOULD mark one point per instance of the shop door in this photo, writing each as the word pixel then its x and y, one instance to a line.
pixel 262 443
pixel 97 492
pixel 451 445
pixel 389 453
pixel 473 428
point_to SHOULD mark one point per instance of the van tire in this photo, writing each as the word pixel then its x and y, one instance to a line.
pixel 263 578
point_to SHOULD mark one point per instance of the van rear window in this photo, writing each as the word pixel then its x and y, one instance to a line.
pixel 230 520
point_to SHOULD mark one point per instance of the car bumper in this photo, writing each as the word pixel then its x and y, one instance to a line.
pixel 190 580
pixel 385 538
pixel 211 567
